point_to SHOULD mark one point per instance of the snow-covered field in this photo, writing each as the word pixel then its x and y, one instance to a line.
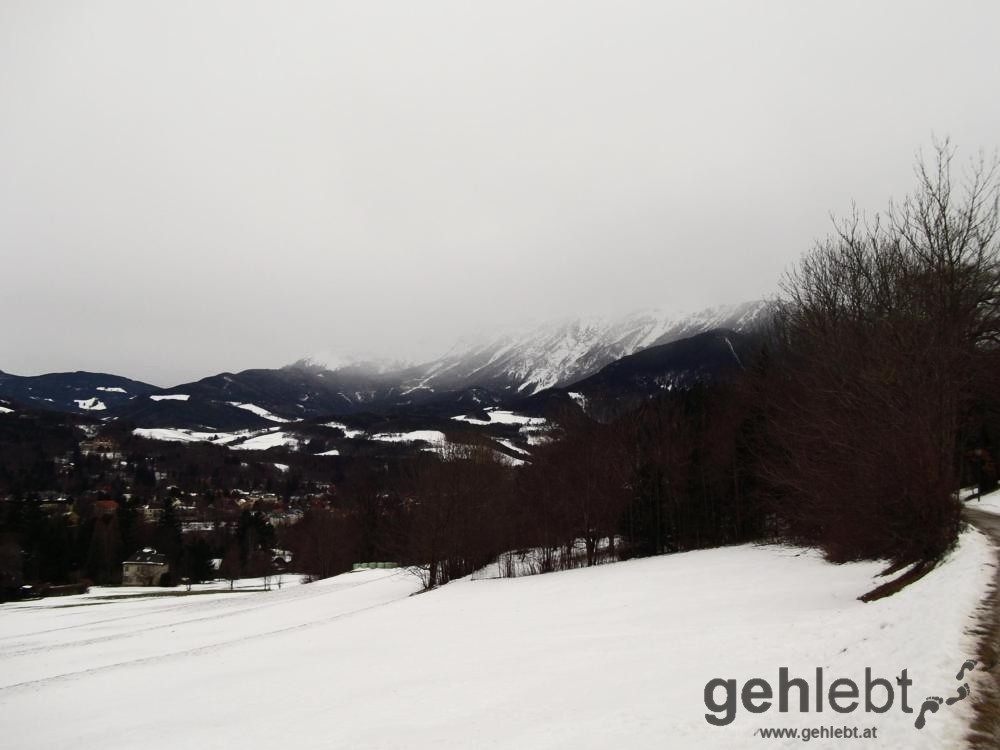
pixel 434 437
pixel 259 411
pixel 500 416
pixel 266 441
pixel 348 431
pixel 614 656
pixel 90 404
pixel 170 434
pixel 256 440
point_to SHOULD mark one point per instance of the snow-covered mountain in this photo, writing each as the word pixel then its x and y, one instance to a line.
pixel 496 371
pixel 80 392
pixel 533 358
pixel 359 363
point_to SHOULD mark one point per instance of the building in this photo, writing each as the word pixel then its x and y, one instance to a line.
pixel 147 567
pixel 101 446
pixel 152 513
pixel 104 508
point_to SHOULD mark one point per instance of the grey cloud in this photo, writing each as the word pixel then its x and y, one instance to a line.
pixel 188 187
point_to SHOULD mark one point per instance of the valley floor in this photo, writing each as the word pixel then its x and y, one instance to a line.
pixel 614 656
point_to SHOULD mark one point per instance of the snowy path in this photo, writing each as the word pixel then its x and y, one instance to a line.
pixel 986 724
pixel 614 656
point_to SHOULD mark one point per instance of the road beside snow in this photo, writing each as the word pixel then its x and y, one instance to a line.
pixel 989 503
pixel 614 656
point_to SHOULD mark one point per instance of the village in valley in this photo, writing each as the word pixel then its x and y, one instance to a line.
pixel 113 515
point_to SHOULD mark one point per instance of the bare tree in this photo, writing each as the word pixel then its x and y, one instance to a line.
pixel 231 568
pixel 457 507
pixel 886 328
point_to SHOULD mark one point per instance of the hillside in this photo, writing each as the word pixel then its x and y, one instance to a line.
pixel 78 392
pixel 713 356
pixel 588 658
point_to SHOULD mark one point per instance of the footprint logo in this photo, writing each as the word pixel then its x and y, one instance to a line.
pixel 931 704
pixel 967 667
pixel 963 693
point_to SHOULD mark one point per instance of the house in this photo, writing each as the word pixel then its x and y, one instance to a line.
pixel 147 567
pixel 101 446
pixel 104 508
pixel 151 513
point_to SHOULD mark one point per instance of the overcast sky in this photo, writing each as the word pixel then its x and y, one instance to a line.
pixel 194 186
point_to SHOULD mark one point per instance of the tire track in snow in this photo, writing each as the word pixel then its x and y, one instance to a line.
pixel 205 649
pixel 298 593
pixel 174 624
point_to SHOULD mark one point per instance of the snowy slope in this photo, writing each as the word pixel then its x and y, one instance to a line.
pixel 555 353
pixel 615 656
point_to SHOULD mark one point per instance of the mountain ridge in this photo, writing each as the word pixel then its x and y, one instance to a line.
pixel 556 353
pixel 505 369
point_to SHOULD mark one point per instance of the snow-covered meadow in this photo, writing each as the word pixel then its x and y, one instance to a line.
pixel 613 656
